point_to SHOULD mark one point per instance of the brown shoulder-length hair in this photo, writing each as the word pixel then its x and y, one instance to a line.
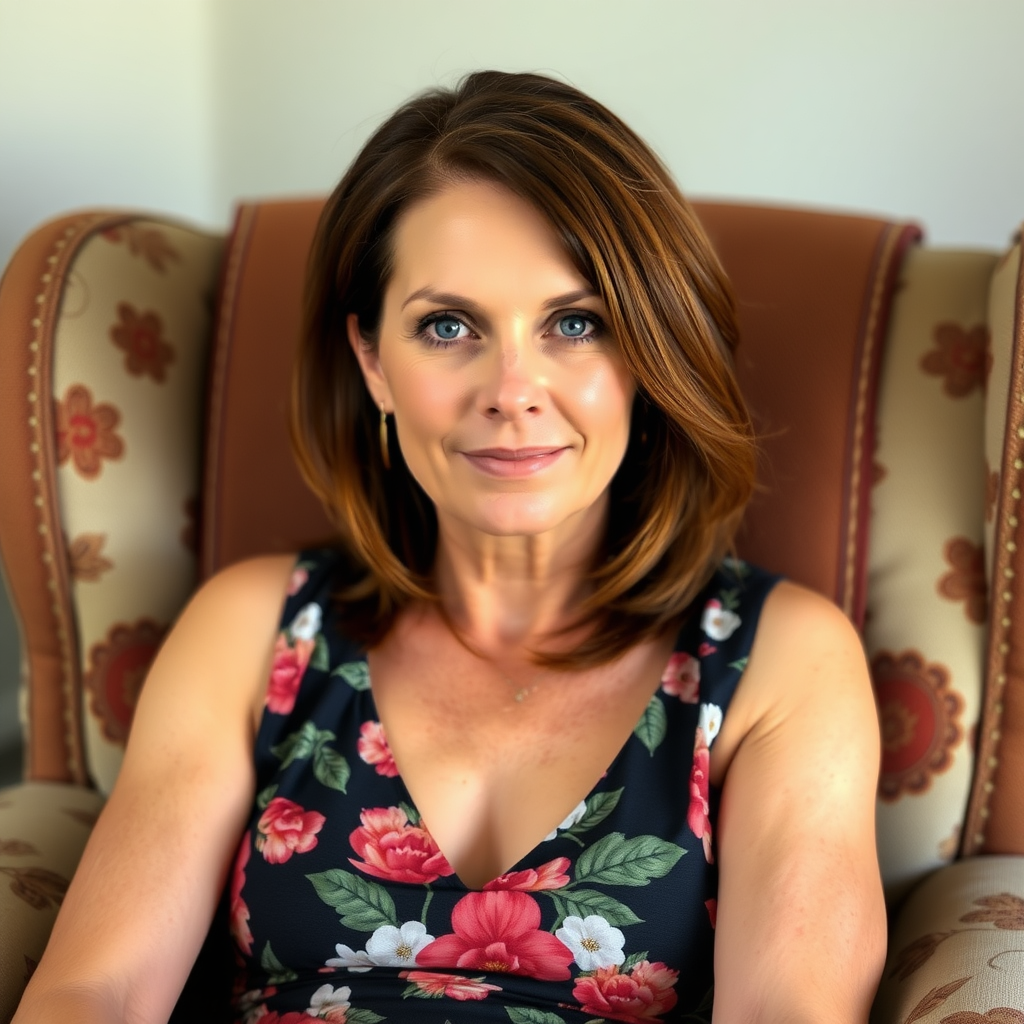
pixel 688 471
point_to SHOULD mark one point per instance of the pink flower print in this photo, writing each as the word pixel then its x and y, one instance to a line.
pixel 499 932
pixel 681 677
pixel 285 828
pixel 239 912
pixel 548 876
pixel 712 908
pixel 454 986
pixel 719 623
pixel 294 1017
pixel 697 813
pixel 706 650
pixel 286 672
pixel 643 994
pixel 297 581
pixel 391 848
pixel 373 749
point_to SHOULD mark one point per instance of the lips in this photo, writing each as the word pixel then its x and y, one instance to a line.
pixel 513 462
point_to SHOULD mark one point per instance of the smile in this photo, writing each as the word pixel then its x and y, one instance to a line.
pixel 513 462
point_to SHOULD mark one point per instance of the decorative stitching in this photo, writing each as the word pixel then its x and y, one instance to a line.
pixel 1004 571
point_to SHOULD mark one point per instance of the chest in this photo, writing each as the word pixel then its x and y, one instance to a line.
pixel 493 761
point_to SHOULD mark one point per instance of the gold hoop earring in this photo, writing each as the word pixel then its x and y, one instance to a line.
pixel 385 455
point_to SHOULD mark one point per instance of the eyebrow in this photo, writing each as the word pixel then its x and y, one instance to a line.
pixel 462 302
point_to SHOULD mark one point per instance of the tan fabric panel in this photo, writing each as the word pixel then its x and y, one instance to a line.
pixel 43 830
pixel 30 531
pixel 254 499
pixel 995 822
pixel 814 291
pixel 925 632
pixel 954 950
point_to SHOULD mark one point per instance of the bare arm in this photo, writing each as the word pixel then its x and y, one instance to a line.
pixel 144 894
pixel 801 917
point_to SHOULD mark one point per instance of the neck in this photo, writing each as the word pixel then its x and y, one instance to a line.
pixel 506 596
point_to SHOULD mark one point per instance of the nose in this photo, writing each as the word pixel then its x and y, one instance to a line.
pixel 514 378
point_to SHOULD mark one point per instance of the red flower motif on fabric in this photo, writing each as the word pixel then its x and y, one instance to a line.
pixel 919 718
pixel 961 357
pixel 85 557
pixel 454 986
pixel 117 669
pixel 548 876
pixel 697 814
pixel 644 994
pixel 966 579
pixel 712 908
pixel 499 932
pixel 140 336
pixel 706 650
pixel 239 911
pixel 392 848
pixel 285 828
pixel 373 749
pixel 85 432
pixel 286 672
pixel 681 677
pixel 149 243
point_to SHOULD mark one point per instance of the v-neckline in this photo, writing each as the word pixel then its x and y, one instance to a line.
pixel 399 778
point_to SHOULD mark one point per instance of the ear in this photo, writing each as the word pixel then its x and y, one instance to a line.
pixel 369 363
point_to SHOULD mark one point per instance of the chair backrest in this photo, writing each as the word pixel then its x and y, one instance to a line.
pixel 827 306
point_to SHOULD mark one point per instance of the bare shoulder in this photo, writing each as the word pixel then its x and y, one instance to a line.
pixel 807 669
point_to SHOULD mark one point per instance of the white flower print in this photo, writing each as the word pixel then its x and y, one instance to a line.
pixel 593 941
pixel 389 946
pixel 717 622
pixel 329 1003
pixel 574 815
pixel 356 961
pixel 306 624
pixel 710 721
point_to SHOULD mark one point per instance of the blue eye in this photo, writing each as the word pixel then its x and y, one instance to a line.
pixel 447 328
pixel 578 326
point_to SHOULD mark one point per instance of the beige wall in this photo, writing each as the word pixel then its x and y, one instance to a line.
pixel 909 107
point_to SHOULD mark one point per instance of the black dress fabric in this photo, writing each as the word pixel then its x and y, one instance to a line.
pixel 342 907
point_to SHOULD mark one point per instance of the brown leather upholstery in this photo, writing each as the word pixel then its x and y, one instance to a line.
pixel 814 292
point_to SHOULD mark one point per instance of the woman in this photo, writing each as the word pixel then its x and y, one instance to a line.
pixel 596 752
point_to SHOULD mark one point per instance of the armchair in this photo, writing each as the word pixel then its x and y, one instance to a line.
pixel 143 382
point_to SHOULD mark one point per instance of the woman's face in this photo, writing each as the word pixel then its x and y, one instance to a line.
pixel 510 398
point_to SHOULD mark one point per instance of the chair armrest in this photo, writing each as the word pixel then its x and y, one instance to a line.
pixel 43 830
pixel 956 950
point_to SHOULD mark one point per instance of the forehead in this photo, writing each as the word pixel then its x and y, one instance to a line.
pixel 478 234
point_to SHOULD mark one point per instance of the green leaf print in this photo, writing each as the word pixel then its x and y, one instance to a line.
pixel 632 960
pixel 331 768
pixel 740 664
pixel 653 725
pixel 321 659
pixel 584 902
pixel 277 973
pixel 355 673
pixel 360 1015
pixel 266 795
pixel 410 812
pixel 296 745
pixel 616 860
pixel 599 806
pixel 531 1015
pixel 362 905
pixel 414 990
pixel 730 599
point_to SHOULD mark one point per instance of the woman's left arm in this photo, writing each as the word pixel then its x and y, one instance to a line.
pixel 801 927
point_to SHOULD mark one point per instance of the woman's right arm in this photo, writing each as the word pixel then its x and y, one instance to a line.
pixel 146 889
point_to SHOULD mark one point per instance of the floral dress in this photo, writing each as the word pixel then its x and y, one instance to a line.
pixel 343 908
